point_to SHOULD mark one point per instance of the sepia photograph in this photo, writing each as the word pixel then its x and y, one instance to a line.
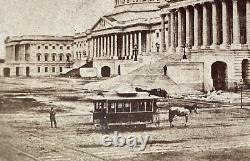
pixel 124 80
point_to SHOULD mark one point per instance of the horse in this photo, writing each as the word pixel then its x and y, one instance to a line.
pixel 181 112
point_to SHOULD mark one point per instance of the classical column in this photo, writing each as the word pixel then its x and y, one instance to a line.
pixel 248 22
pixel 179 30
pixel 98 47
pixel 172 30
pixel 123 45
pixel 236 26
pixel 101 47
pixel 225 25
pixel 139 44
pixel 131 44
pixel 104 45
pixel 115 45
pixel 135 39
pixel 196 27
pixel 187 26
pixel 127 44
pixel 94 47
pixel 148 43
pixel 108 46
pixel 112 46
pixel 214 25
pixel 163 29
pixel 205 27
pixel 90 48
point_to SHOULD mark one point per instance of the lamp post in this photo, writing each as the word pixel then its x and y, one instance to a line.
pixel 157 47
pixel 184 51
pixel 135 52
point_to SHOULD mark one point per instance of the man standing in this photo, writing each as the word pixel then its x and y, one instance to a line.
pixel 165 69
pixel 52 117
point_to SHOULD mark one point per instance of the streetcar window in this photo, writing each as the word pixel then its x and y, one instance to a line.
pixel 141 106
pixel 126 106
pixel 99 106
pixel 149 106
pixel 111 107
pixel 119 107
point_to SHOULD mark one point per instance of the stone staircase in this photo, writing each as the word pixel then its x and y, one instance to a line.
pixel 148 75
pixel 75 72
pixel 156 67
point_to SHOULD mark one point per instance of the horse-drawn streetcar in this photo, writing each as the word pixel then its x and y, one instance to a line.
pixel 124 109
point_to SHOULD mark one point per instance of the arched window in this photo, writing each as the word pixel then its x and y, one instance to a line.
pixel 38 57
pixel 54 57
pixel 46 57
pixel 68 56
pixel 61 57
pixel 27 57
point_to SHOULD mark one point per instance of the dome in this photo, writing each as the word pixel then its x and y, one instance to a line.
pixel 123 5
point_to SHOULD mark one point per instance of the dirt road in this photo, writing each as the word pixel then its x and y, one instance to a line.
pixel 25 134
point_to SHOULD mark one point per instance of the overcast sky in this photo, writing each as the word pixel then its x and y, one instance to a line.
pixel 49 17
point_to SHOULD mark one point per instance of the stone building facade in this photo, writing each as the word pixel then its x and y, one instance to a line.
pixel 214 32
pixel 37 55
pixel 133 29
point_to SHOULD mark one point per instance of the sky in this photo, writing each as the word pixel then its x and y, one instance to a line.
pixel 49 17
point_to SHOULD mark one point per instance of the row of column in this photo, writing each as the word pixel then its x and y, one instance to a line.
pixel 104 46
pixel 116 45
pixel 191 25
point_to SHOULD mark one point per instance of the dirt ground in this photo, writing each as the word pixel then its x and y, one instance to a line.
pixel 216 134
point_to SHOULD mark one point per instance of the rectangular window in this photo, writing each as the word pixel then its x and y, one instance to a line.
pixel 38 57
pixel 46 69
pixel 53 69
pixel 60 69
pixel 53 47
pixel 46 47
pixel 68 47
pixel 38 47
pixel 61 47
pixel 38 69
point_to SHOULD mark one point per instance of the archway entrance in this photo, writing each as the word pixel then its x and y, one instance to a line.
pixel 105 71
pixel 17 71
pixel 6 72
pixel 219 75
pixel 27 71
pixel 246 71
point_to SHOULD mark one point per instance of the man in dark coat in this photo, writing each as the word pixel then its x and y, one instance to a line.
pixel 52 117
pixel 165 69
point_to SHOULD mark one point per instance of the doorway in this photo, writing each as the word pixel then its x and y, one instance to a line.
pixel 219 75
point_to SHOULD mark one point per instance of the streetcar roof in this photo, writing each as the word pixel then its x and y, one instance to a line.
pixel 116 97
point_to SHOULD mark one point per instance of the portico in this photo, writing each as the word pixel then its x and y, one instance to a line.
pixel 119 45
pixel 208 24
pixel 215 32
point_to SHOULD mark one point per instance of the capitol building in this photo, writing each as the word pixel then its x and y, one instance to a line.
pixel 203 43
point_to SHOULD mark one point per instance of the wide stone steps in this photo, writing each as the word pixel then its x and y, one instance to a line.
pixel 155 68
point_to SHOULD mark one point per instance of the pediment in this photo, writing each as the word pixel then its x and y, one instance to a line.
pixel 101 25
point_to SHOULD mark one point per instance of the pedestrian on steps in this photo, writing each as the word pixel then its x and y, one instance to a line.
pixel 165 68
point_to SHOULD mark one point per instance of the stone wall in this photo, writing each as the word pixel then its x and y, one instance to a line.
pixel 187 73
